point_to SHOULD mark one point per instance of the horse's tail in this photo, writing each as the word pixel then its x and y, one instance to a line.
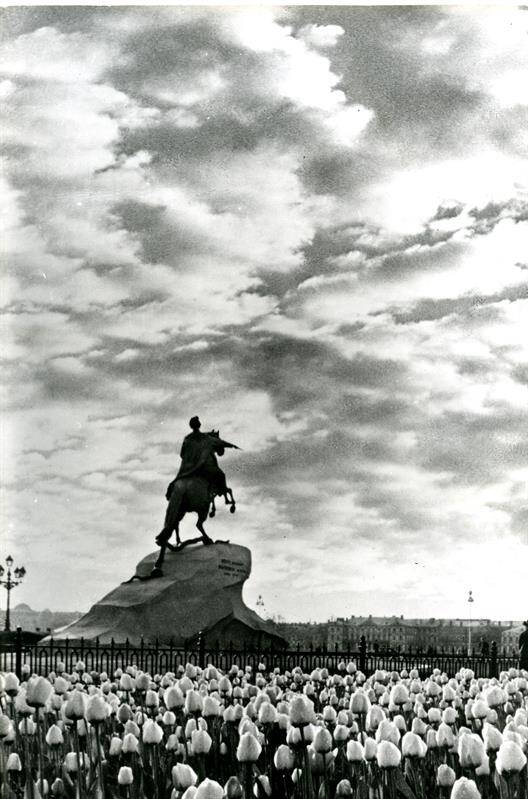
pixel 174 508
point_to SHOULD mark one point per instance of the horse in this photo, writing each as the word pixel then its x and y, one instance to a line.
pixel 192 494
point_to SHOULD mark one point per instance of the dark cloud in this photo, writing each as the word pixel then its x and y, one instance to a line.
pixel 474 448
pixel 474 307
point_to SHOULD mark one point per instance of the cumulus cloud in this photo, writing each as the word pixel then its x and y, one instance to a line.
pixel 308 225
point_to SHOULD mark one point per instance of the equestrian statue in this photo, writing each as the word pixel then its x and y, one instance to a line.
pixel 194 489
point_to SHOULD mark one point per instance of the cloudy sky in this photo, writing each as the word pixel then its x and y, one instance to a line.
pixel 308 226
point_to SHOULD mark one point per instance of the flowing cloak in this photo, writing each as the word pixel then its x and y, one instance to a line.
pixel 523 650
pixel 198 454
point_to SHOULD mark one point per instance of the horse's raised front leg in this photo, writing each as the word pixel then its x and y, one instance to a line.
pixel 231 500
pixel 212 512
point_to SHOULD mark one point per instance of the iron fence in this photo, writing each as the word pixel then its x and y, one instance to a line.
pixel 42 658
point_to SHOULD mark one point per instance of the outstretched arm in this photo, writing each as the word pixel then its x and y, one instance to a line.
pixel 227 445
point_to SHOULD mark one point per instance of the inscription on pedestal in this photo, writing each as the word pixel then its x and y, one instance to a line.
pixel 232 567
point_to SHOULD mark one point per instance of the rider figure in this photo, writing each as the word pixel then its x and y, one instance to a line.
pixel 199 458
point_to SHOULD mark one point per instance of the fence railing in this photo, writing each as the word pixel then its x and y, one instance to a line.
pixel 155 658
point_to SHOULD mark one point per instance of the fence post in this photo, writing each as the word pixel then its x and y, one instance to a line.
pixel 363 654
pixel 493 666
pixel 18 653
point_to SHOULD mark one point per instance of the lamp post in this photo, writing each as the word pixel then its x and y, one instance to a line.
pixel 9 583
pixel 470 601
pixel 260 606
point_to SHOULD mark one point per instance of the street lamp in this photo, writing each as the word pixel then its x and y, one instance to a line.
pixel 470 601
pixel 9 583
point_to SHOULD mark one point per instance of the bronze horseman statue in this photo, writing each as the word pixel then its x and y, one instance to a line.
pixel 193 490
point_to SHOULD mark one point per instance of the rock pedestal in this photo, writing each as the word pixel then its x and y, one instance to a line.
pixel 200 592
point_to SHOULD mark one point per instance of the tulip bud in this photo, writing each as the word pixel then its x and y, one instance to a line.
pixel 116 746
pixel 322 742
pixel 183 776
pixel 211 707
pixel 343 789
pixel 13 762
pixel 470 751
pixel 329 714
pixel 11 684
pixel 27 727
pixel 96 709
pixel 492 738
pixel 74 708
pixel 495 696
pixel 284 759
pixel 126 683
pixel 125 776
pixel 267 713
pixel 132 727
pixel 130 743
pixel 57 787
pixel 38 692
pixel 152 732
pixel 465 789
pixel 124 713
pixel 209 789
pixel 301 711
pixel 445 776
pixel 142 682
pixel 399 695
pixel 341 733
pixel 387 731
pixel 249 749
pixel 431 739
pixel 418 726
pixel 413 746
pixel 355 752
pixel 510 758
pixel 193 702
pixel 233 789
pixel 151 700
pixel 201 742
pixel 359 703
pixel 70 762
pixel 388 755
pixel 21 706
pixel 54 736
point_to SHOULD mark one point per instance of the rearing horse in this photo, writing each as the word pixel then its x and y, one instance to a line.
pixel 193 494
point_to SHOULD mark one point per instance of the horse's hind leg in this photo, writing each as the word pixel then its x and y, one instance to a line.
pixel 156 571
pixel 162 539
pixel 199 524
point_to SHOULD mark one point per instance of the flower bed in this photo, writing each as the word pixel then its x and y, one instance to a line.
pixel 207 734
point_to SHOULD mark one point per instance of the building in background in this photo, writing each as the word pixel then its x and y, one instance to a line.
pixel 510 639
pixel 37 620
pixel 397 634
